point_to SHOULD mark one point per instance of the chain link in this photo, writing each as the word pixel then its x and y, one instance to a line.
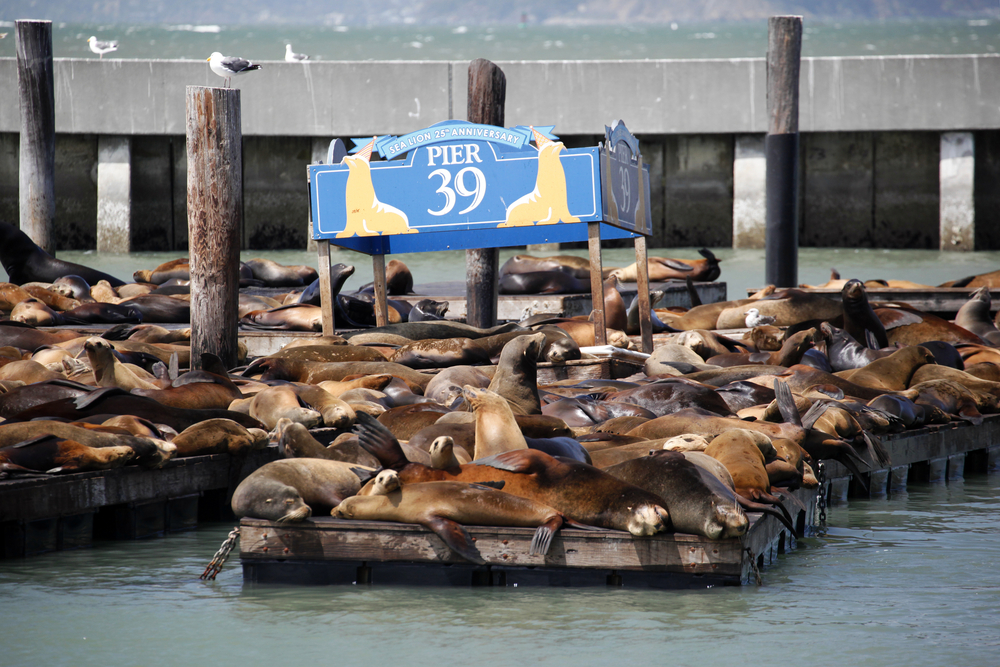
pixel 821 498
pixel 753 567
pixel 221 555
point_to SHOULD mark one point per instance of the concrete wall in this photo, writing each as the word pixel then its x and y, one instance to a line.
pixel 870 144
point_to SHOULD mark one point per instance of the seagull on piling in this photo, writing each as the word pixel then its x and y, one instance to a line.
pixel 100 48
pixel 294 57
pixel 229 66
pixel 755 319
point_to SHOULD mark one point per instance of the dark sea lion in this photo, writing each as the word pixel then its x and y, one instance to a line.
pixel 25 262
pixel 21 398
pixel 436 329
pixel 160 308
pixel 543 282
pixel 103 313
pixel 588 495
pixel 51 454
pixel 974 315
pixel 632 315
pixel 290 490
pixel 670 394
pixel 698 503
pixel 356 313
pixel 218 436
pixel 440 353
pixel 339 273
pixel 859 316
pixel 442 507
pixel 945 354
pixel 578 267
pixel 516 377
pixel 844 353
pixel 427 310
pixel 563 448
pixel 278 275
pixel 741 394
pixel 114 401
pixel 952 398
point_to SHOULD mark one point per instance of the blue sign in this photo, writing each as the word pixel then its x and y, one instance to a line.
pixel 459 186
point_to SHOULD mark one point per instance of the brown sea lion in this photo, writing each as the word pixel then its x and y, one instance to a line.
pixel 442 507
pixel 51 454
pixel 588 495
pixel 290 490
pixel 953 399
pixel 28 371
pixel 698 503
pixel 150 452
pixel 615 310
pixel 407 420
pixel 743 459
pixel 109 372
pixel 294 370
pixel 496 429
pixel 665 268
pixel 891 373
pixel 446 386
pixel 444 454
pixel 11 295
pixel 296 441
pixel 706 316
pixel 274 274
pixel 991 279
pixel 196 389
pixel 292 317
pixel 34 313
pixel 791 352
pixel 218 436
pixel 908 326
pixel 53 299
pixel 516 376
pixel 787 307
pixel 440 353
pixel 279 401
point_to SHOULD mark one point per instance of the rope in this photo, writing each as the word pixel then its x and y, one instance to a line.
pixel 221 555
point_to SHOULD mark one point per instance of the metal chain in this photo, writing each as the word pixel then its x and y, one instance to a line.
pixel 821 498
pixel 753 567
pixel 221 555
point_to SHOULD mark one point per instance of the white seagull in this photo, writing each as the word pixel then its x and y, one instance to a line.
pixel 229 66
pixel 294 57
pixel 755 319
pixel 100 48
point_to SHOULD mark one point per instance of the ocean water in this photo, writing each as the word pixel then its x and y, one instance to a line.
pixel 505 42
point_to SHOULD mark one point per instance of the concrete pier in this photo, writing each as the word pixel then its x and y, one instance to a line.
pixel 957 184
pixel 749 201
pixel 114 193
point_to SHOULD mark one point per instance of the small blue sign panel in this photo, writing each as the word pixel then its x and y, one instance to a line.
pixel 459 185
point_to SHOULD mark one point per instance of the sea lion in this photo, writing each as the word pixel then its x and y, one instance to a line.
pixel 891 373
pixel 51 298
pixel 149 452
pixel 582 492
pixel 296 441
pixel 974 315
pixel 274 274
pixel 542 282
pixel 407 420
pixel 290 490
pixel 791 353
pixel 615 311
pixel 516 376
pixel 28 371
pixel 291 317
pixel 398 279
pixel 952 398
pixel 103 313
pixel 496 430
pixel 75 287
pixel 435 329
pixel 427 310
pixel 339 273
pixel 18 399
pixel 24 261
pixel 443 506
pixel 218 436
pixel 445 388
pixel 51 454
pixel 281 401
pixel 11 295
pixel 632 315
pixel 844 353
pixel 440 353
pixel 990 279
pixel 787 306
pixel 908 326
pixel 294 370
pixel 160 308
pixel 664 396
pixel 859 317
pixel 444 455
pixel 665 268
pixel 706 316
pixel 328 353
pixel 109 372
pixel 336 389
pixel 698 503
pixel 578 267
pixel 35 313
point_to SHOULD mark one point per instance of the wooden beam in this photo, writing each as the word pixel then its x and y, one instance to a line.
pixel 325 286
pixel 381 306
pixel 597 283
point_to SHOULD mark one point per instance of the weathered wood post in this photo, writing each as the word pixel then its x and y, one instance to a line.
pixel 781 148
pixel 487 96
pixel 37 162
pixel 215 217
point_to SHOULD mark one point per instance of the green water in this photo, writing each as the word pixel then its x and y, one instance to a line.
pixel 909 580
pixel 721 40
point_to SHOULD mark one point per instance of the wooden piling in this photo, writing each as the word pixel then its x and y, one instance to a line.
pixel 781 148
pixel 37 161
pixel 487 96
pixel 215 216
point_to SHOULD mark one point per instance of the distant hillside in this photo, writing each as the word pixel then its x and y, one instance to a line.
pixel 479 12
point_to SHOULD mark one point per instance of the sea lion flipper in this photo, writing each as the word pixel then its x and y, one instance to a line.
pixel 813 414
pixel 87 400
pixel 501 462
pixel 379 441
pixel 675 264
pixel 871 341
pixel 456 537
pixel 495 485
pixel 880 455
pixel 753 506
pixel 692 292
pixel 364 474
pixel 173 370
pixel 542 539
pixel 786 403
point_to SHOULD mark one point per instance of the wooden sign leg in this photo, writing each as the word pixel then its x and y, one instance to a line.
pixel 597 283
pixel 325 283
pixel 642 293
pixel 381 306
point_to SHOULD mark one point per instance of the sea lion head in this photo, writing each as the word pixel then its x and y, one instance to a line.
pixel 385 483
pixel 285 498
pixel 854 291
pixel 648 520
pixel 728 521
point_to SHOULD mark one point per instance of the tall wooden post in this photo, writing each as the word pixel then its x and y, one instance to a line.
pixel 781 148
pixel 487 96
pixel 215 217
pixel 37 163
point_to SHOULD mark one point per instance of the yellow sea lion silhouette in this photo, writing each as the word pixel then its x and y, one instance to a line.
pixel 366 215
pixel 546 204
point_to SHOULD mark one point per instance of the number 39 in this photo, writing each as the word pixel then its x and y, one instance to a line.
pixel 478 192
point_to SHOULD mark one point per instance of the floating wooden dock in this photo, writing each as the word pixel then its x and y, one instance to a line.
pixel 324 550
pixel 57 512
pixel 940 301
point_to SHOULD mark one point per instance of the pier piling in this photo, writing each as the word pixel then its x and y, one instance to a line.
pixel 37 161
pixel 215 217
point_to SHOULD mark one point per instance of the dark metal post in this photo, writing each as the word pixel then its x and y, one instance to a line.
pixel 781 148
pixel 487 95
pixel 37 162
pixel 215 217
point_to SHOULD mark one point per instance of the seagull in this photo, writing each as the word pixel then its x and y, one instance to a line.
pixel 755 319
pixel 100 48
pixel 229 66
pixel 294 57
